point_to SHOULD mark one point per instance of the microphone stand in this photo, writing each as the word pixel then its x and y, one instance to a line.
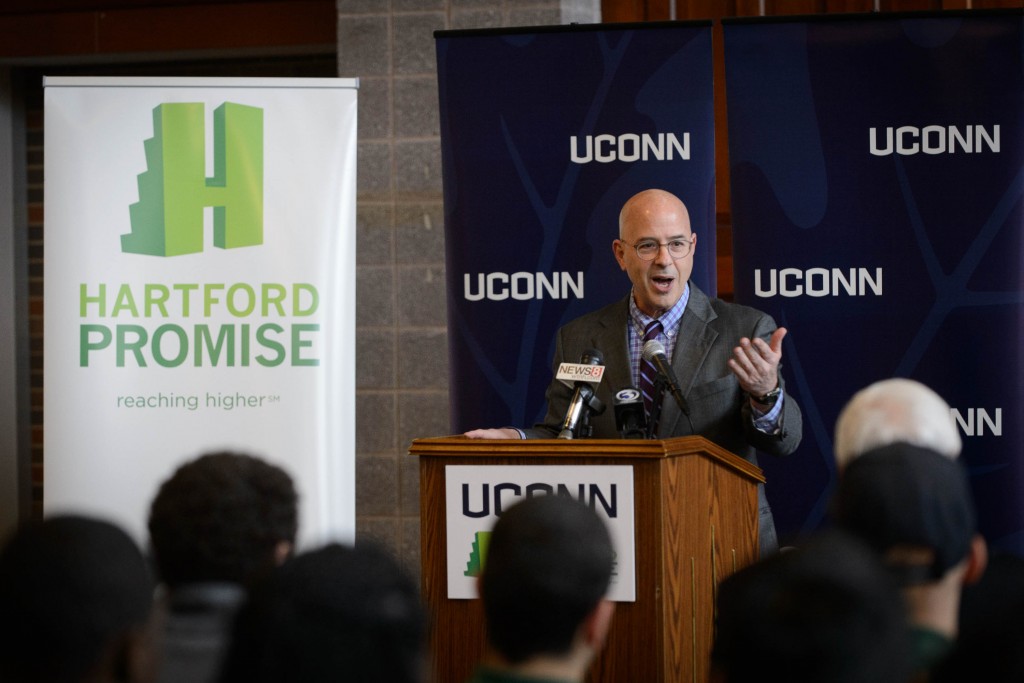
pixel 578 427
pixel 594 406
pixel 585 429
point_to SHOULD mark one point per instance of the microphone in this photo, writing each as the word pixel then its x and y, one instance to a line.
pixel 588 375
pixel 654 353
pixel 629 414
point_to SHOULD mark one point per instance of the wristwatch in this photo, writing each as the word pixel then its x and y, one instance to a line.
pixel 770 398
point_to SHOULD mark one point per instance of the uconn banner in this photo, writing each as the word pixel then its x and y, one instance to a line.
pixel 545 133
pixel 877 185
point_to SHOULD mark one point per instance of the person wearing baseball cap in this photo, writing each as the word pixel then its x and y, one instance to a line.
pixel 914 507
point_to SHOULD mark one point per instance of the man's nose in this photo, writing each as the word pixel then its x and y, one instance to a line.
pixel 663 257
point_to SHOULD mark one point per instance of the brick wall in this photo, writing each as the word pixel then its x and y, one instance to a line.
pixel 401 326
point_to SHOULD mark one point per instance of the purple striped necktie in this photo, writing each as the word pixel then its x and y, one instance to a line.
pixel 647 371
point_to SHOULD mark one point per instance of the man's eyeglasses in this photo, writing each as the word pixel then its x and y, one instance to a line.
pixel 648 250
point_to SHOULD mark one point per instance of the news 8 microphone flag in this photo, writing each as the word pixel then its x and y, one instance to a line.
pixel 876 187
pixel 584 402
pixel 545 133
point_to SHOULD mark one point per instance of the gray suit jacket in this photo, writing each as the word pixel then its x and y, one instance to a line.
pixel 718 407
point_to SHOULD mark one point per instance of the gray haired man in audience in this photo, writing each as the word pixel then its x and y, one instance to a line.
pixel 892 410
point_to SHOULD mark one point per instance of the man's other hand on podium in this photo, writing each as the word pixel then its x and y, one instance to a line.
pixel 496 433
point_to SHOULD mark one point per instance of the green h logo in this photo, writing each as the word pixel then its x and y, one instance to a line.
pixel 174 190
pixel 478 556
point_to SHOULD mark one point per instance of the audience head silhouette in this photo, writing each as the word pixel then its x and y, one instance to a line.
pixel 336 613
pixel 216 525
pixel 913 506
pixel 76 599
pixel 548 567
pixel 826 612
pixel 222 517
pixel 895 410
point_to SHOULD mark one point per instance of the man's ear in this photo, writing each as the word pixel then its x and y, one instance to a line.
pixel 619 249
pixel 282 551
pixel 597 623
pixel 977 559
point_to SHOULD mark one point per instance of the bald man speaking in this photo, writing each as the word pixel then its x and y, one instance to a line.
pixel 725 357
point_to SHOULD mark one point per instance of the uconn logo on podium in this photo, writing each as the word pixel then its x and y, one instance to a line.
pixel 492 499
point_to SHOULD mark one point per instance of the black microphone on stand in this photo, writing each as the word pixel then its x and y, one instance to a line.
pixel 629 414
pixel 654 352
pixel 584 402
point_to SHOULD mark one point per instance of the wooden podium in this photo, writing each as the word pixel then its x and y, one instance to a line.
pixel 695 523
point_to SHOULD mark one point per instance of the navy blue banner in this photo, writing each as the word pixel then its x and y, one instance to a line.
pixel 545 133
pixel 877 184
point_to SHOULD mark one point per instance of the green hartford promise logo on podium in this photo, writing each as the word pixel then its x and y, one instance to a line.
pixel 174 190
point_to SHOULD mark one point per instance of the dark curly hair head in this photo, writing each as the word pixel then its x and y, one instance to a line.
pixel 222 517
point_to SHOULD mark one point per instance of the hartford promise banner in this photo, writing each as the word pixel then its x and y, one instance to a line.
pixel 545 133
pixel 200 288
pixel 877 204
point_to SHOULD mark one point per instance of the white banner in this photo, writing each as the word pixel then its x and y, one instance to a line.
pixel 200 288
pixel 475 496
